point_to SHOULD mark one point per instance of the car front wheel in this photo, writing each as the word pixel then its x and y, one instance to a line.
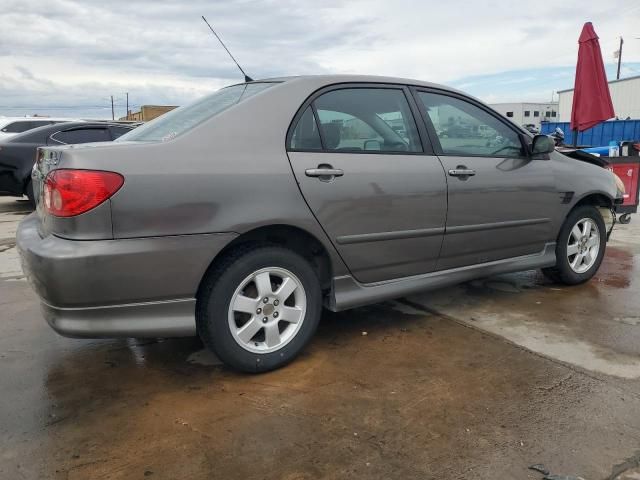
pixel 259 308
pixel 580 248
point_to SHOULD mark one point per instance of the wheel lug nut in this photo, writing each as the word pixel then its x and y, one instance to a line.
pixel 259 311
pixel 275 314
pixel 265 320
pixel 265 300
pixel 275 303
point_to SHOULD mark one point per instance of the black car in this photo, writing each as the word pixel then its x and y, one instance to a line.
pixel 18 153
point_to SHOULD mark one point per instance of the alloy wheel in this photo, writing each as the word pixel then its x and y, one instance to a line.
pixel 267 310
pixel 583 245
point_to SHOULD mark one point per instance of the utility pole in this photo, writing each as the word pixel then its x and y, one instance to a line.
pixel 127 105
pixel 619 58
pixel 113 116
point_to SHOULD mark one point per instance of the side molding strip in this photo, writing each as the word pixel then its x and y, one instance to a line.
pixel 395 235
pixel 496 225
pixel 430 232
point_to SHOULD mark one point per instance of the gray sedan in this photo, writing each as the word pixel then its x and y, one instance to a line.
pixel 240 216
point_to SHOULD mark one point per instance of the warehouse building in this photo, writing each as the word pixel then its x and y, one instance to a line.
pixel 528 113
pixel 625 95
pixel 148 112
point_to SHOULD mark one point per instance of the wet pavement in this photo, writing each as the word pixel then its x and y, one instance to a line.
pixel 478 381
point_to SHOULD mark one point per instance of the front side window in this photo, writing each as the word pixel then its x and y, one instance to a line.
pixel 367 119
pixel 178 121
pixel 465 129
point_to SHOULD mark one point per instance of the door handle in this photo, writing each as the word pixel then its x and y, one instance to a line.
pixel 324 172
pixel 462 172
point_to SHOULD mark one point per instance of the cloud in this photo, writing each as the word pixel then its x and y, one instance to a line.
pixel 56 53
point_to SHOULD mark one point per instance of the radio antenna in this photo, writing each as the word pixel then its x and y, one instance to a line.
pixel 247 78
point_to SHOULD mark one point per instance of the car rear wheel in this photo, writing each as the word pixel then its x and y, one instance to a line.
pixel 580 247
pixel 259 308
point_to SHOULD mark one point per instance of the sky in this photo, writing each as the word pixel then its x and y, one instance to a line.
pixel 66 58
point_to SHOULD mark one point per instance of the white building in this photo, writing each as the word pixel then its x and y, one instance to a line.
pixel 625 95
pixel 528 113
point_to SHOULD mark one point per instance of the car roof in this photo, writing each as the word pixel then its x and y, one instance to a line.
pixel 354 78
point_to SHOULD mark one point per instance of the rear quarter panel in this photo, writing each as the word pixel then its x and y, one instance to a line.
pixel 229 174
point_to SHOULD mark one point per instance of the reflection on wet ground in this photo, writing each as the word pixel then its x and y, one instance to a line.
pixel 477 381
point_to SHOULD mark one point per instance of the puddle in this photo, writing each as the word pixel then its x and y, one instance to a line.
pixel 628 320
pixel 540 339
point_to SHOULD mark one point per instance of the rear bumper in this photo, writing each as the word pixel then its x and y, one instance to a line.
pixel 173 318
pixel 117 288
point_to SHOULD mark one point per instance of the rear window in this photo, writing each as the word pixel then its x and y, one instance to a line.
pixel 182 119
pixel 82 135
pixel 24 125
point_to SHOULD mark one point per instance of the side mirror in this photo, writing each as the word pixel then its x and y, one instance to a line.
pixel 541 145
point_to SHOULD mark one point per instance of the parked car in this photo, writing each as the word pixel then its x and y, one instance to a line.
pixel 239 216
pixel 10 126
pixel 18 153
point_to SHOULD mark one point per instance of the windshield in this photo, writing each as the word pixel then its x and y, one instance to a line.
pixel 182 119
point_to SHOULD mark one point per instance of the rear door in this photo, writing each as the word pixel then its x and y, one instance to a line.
pixel 501 201
pixel 376 189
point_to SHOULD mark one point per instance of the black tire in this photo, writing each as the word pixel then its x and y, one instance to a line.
pixel 562 271
pixel 625 219
pixel 29 193
pixel 218 289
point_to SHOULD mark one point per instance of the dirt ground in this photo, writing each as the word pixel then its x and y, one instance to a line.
pixel 478 381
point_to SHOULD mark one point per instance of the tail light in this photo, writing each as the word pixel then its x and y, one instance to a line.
pixel 71 192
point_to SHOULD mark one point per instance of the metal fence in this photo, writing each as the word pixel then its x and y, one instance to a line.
pixel 600 135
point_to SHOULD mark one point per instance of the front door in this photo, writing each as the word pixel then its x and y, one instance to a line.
pixel 501 201
pixel 365 175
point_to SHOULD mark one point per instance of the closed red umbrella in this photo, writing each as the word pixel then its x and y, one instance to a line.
pixel 591 98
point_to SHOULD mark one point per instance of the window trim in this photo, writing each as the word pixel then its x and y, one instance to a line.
pixel 435 141
pixel 423 137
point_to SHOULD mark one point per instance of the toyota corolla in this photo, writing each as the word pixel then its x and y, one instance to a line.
pixel 238 217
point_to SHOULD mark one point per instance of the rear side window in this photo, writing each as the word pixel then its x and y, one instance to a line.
pixel 367 119
pixel 82 135
pixel 306 135
pixel 180 120
pixel 24 125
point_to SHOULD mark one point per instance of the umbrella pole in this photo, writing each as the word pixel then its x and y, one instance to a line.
pixel 575 138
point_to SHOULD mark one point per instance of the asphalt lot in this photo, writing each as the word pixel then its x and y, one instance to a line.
pixel 479 381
